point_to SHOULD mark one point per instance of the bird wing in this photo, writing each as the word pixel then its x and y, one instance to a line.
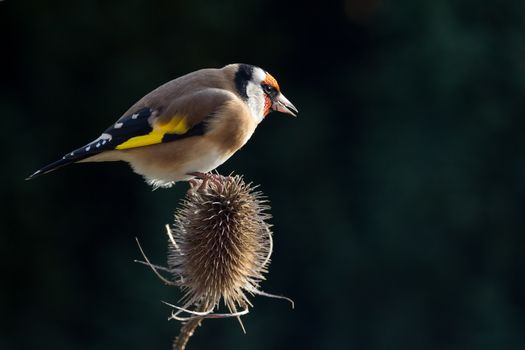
pixel 150 122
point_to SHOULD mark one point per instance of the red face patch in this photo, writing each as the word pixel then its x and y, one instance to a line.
pixel 267 105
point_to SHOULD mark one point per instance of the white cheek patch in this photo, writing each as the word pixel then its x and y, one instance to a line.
pixel 255 101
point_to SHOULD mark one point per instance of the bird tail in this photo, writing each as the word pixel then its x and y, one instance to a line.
pixel 89 150
pixel 65 160
pixel 103 143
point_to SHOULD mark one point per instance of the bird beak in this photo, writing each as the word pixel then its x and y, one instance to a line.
pixel 281 104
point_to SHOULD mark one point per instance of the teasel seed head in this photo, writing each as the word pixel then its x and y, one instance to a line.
pixel 220 245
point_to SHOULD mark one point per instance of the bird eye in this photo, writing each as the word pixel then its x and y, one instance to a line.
pixel 268 89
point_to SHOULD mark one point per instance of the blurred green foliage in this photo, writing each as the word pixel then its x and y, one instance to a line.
pixel 398 192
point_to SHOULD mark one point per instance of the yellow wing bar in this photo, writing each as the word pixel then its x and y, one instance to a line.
pixel 176 125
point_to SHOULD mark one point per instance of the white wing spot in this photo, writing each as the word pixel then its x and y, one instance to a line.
pixel 119 125
pixel 104 137
pixel 97 145
pixel 88 148
pixel 134 116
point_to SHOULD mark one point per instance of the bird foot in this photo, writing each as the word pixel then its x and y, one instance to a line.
pixel 200 181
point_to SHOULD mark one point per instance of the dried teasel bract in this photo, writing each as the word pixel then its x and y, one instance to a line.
pixel 219 248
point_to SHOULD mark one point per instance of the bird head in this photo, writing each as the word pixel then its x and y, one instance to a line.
pixel 261 92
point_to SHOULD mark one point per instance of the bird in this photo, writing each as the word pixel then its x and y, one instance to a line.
pixel 188 126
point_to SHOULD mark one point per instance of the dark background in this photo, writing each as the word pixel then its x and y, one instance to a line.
pixel 398 192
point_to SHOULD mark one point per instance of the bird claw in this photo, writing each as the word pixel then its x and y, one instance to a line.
pixel 194 183
pixel 200 182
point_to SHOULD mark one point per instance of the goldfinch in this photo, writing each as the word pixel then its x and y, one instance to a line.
pixel 188 126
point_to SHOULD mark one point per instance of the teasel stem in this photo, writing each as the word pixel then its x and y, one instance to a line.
pixel 185 333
